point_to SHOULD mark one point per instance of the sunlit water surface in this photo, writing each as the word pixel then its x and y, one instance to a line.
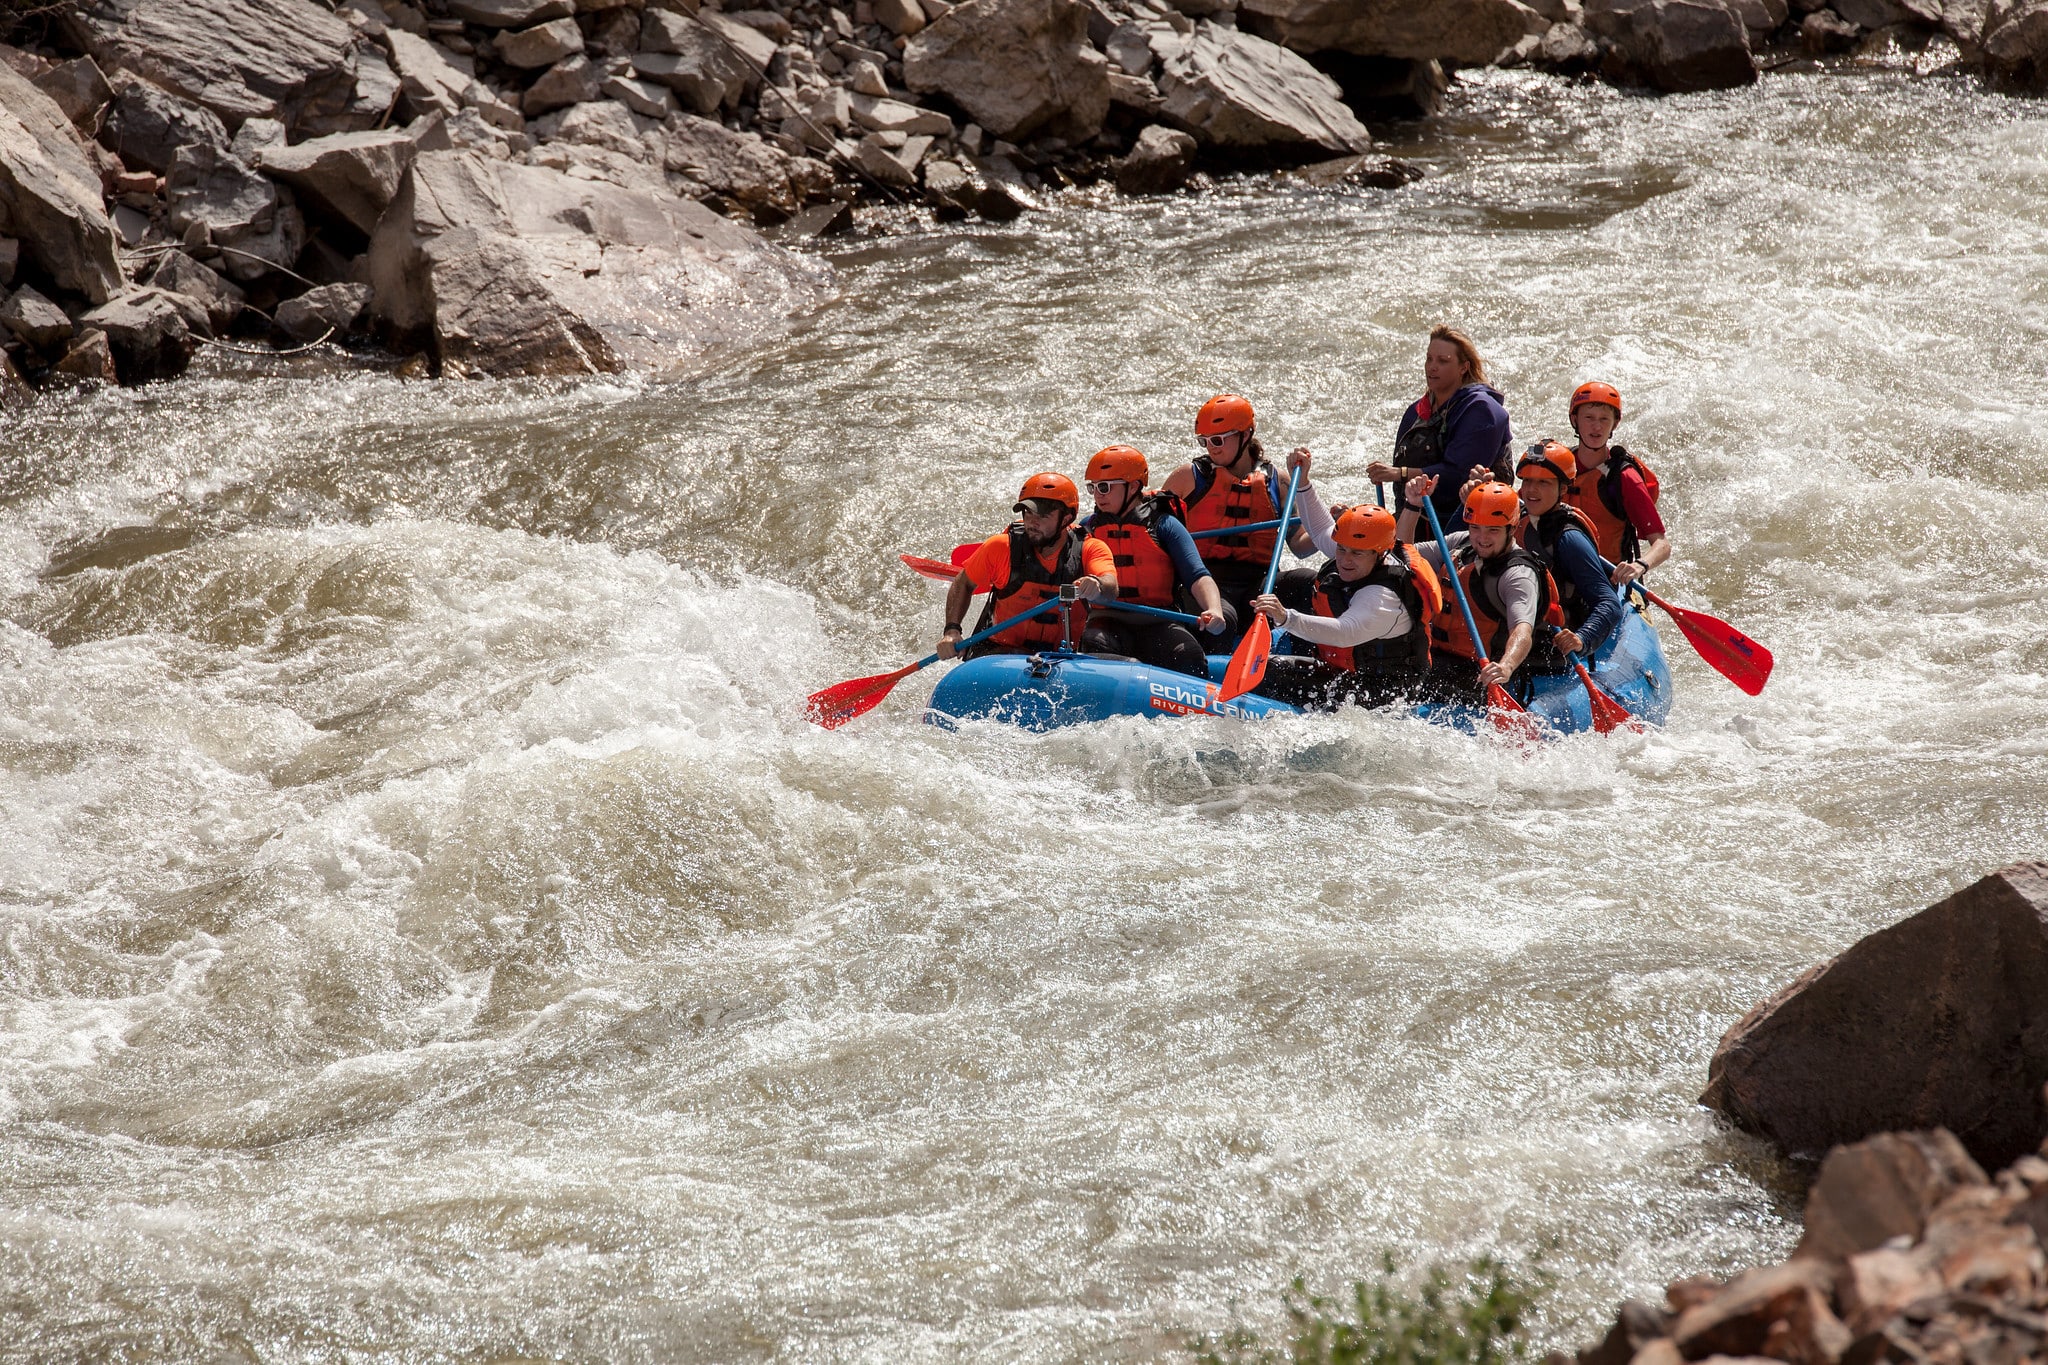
pixel 430 932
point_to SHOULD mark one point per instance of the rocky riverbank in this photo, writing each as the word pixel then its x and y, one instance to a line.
pixel 1911 1252
pixel 530 187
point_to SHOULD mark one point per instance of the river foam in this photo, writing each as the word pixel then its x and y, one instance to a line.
pixel 430 929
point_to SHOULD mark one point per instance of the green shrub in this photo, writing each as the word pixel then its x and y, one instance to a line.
pixel 1479 1318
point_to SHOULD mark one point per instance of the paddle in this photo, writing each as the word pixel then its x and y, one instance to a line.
pixel 931 568
pixel 842 702
pixel 1143 610
pixel 1248 663
pixel 1734 655
pixel 1508 714
pixel 1609 715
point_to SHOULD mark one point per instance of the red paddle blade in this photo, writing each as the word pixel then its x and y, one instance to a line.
pixel 963 553
pixel 841 702
pixel 1509 716
pixel 1609 715
pixel 1734 655
pixel 931 568
pixel 1248 662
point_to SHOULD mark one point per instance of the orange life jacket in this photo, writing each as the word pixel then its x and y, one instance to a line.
pixel 1539 536
pixel 1597 493
pixel 1408 576
pixel 1031 583
pixel 1481 579
pixel 1219 501
pixel 1144 571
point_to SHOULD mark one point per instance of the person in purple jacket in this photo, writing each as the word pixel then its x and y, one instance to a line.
pixel 1458 430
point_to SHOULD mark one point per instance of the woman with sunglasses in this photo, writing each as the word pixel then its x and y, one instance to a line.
pixel 1457 431
pixel 1232 484
pixel 1156 566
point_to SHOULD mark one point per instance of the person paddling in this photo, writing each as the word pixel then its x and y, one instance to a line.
pixel 1510 591
pixel 1457 430
pixel 1615 490
pixel 1371 612
pixel 1561 536
pixel 1027 564
pixel 1230 484
pixel 1157 565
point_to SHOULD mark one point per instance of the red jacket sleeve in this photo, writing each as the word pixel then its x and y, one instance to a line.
pixel 1640 506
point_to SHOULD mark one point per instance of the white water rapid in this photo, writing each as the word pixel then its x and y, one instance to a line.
pixel 429 932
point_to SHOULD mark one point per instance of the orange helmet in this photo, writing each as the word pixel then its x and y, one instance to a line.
pixel 1120 462
pixel 1596 392
pixel 1365 528
pixel 1225 412
pixel 1547 460
pixel 1492 504
pixel 1049 488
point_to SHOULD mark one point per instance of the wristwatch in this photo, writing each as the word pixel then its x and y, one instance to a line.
pixel 951 625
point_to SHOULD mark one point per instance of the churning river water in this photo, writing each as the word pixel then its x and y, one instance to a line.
pixel 429 932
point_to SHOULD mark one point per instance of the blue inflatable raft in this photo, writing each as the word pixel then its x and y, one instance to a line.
pixel 1051 689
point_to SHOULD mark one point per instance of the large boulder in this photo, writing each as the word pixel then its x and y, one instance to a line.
pixel 1939 1021
pixel 180 274
pixel 150 333
pixel 1158 163
pixel 2015 46
pixel 351 176
pixel 1672 45
pixel 240 58
pixel 1235 91
pixel 1018 67
pixel 330 310
pixel 50 192
pixel 736 164
pixel 522 270
pixel 255 222
pixel 1469 32
pixel 146 124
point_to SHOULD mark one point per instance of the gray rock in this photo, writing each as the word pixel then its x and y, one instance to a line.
pixel 1130 49
pixel 542 45
pixel 1469 32
pixel 1158 164
pixel 614 34
pixel 573 80
pixel 1672 45
pixel 765 21
pixel 1018 67
pixel 509 269
pixel 433 84
pixel 146 124
pixel 949 189
pixel 696 83
pixel 644 98
pixel 88 361
pixel 10 259
pixel 332 310
pixel 1871 14
pixel 2015 46
pixel 1569 49
pixel 736 164
pixel 756 49
pixel 1136 92
pixel 1235 90
pixel 865 78
pixel 466 130
pixel 80 90
pixel 150 333
pixel 35 320
pixel 50 192
pixel 601 123
pixel 894 116
pixel 257 136
pixel 349 176
pixel 510 13
pixel 255 222
pixel 221 299
pixel 239 58
pixel 1764 17
pixel 892 158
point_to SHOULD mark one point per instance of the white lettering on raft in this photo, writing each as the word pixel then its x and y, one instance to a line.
pixel 1185 701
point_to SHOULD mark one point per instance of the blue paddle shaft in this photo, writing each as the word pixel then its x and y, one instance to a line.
pixel 997 629
pixel 1160 612
pixel 1245 529
pixel 1280 545
pixel 1457 585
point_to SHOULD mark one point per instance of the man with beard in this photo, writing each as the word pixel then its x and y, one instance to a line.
pixel 1025 565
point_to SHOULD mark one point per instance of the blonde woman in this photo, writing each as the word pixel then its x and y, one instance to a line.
pixel 1458 430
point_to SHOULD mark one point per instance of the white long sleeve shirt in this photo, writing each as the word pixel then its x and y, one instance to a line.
pixel 1375 613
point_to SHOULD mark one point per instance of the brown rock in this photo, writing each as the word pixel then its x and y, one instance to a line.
pixel 50 192
pixel 80 90
pixel 1158 164
pixel 2015 45
pixel 147 124
pixel 1939 1021
pixel 1975 1247
pixel 350 176
pixel 573 80
pixel 1672 45
pixel 736 164
pixel 1017 67
pixel 1737 1320
pixel 1876 1285
pixel 180 274
pixel 90 360
pixel 1469 32
pixel 1637 1325
pixel 1239 91
pixel 542 45
pixel 1691 1292
pixel 30 317
pixel 1869 1192
pixel 150 333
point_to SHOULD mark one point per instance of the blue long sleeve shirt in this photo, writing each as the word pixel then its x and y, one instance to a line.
pixel 1579 562
pixel 1475 432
